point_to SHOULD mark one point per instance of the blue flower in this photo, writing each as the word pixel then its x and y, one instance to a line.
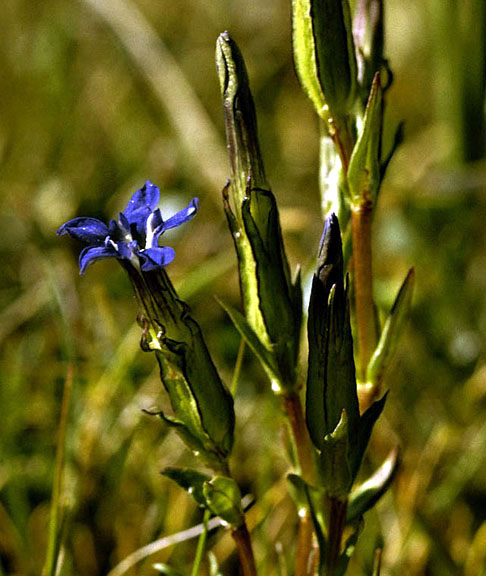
pixel 135 237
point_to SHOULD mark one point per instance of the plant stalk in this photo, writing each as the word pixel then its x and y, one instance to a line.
pixel 305 548
pixel 337 521
pixel 242 540
pixel 201 544
pixel 362 215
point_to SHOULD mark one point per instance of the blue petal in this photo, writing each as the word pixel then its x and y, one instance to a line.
pixel 141 205
pixel 124 223
pixel 93 253
pixel 182 216
pixel 154 258
pixel 88 230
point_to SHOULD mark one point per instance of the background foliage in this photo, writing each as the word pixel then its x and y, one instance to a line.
pixel 96 97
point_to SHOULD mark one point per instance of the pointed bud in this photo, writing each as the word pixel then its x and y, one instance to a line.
pixel 272 302
pixel 324 54
pixel 331 380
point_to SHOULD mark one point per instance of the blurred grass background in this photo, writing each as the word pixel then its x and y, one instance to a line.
pixel 97 97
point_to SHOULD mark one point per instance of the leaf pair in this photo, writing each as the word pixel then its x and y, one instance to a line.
pixel 218 494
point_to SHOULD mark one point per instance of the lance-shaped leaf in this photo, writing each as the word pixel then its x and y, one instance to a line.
pixel 324 55
pixel 331 379
pixel 219 494
pixel 391 333
pixel 364 172
pixel 367 494
pixel 265 356
pixel 272 302
pixel 366 424
pixel 223 498
pixel 192 481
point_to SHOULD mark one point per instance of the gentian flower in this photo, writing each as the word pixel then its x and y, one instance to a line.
pixel 135 237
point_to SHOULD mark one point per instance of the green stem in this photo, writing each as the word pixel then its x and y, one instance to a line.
pixel 363 284
pixel 337 521
pixel 55 518
pixel 242 539
pixel 293 407
pixel 241 536
pixel 201 544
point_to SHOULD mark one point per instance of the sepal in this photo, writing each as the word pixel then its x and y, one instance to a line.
pixel 186 368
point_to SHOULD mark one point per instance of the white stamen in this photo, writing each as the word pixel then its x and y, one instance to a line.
pixel 150 231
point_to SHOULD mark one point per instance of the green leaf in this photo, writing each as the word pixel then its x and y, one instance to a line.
pixel 364 172
pixel 192 442
pixel 189 480
pixel 251 338
pixel 367 494
pixel 166 569
pixel 333 461
pixel 397 141
pixel 366 424
pixel 223 498
pixel 392 332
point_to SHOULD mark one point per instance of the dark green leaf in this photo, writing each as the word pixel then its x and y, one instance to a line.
pixel 251 338
pixel 190 480
pixel 366 423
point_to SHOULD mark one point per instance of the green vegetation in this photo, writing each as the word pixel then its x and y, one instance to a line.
pixel 98 97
